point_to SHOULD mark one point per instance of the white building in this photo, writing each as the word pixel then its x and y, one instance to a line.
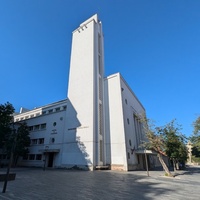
pixel 97 124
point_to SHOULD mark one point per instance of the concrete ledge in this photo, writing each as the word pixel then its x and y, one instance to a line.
pixel 102 167
pixel 118 167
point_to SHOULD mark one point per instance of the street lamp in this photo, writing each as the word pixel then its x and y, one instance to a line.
pixel 145 154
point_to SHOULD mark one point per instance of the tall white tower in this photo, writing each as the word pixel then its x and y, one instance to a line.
pixel 85 92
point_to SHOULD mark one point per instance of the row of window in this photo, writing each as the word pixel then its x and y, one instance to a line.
pixel 38 127
pixel 32 157
pixel 37 141
pixel 43 113
pixel 27 117
pixel 54 110
pixel 41 141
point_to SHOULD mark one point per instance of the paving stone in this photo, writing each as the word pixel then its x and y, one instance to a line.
pixel 54 184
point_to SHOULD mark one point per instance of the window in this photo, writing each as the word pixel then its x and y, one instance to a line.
pixel 101 150
pixel 126 101
pixel 26 117
pixel 31 156
pixel 44 112
pixel 43 126
pixel 99 64
pixel 21 118
pixel 128 155
pixel 99 43
pixel 130 142
pixel 54 124
pixel 128 120
pixel 32 115
pixel 38 156
pixel 30 128
pixel 57 109
pixel 34 141
pixel 36 127
pixel 50 111
pixel 52 140
pixel 41 141
pixel 37 114
pixel 64 107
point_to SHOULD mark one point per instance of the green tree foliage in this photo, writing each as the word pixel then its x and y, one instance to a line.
pixel 195 139
pixel 196 125
pixel 22 142
pixel 6 119
pixel 155 141
pixel 175 147
pixel 14 137
pixel 166 141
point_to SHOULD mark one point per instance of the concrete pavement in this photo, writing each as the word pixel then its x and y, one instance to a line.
pixel 54 184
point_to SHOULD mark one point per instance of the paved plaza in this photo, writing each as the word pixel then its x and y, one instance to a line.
pixel 54 184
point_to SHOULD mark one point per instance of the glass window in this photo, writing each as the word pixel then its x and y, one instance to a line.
pixel 30 128
pixel 36 127
pixel 31 156
pixel 38 156
pixel 34 141
pixel 43 126
pixel 128 120
pixel 41 141
pixel 57 109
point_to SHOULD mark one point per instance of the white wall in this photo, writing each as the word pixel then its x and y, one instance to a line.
pixel 83 96
pixel 114 128
pixel 55 128
pixel 134 134
pixel 121 142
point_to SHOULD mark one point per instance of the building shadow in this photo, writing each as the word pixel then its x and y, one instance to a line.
pixel 74 153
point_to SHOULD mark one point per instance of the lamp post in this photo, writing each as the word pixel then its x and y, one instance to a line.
pixel 145 154
pixel 45 158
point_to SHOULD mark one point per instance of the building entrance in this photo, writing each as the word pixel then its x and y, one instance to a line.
pixel 50 160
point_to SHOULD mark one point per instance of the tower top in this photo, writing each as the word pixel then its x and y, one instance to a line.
pixel 94 17
pixel 84 24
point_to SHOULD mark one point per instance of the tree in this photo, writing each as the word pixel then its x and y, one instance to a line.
pixel 195 139
pixel 165 141
pixel 22 142
pixel 155 141
pixel 14 137
pixel 196 126
pixel 175 147
pixel 6 119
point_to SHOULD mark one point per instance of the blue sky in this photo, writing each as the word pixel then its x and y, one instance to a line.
pixel 154 44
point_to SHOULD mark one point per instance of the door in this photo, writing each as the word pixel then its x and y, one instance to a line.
pixel 50 161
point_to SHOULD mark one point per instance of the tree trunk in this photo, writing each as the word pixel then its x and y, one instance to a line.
pixel 174 164
pixel 164 165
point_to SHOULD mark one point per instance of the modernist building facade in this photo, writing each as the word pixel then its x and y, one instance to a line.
pixel 97 125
